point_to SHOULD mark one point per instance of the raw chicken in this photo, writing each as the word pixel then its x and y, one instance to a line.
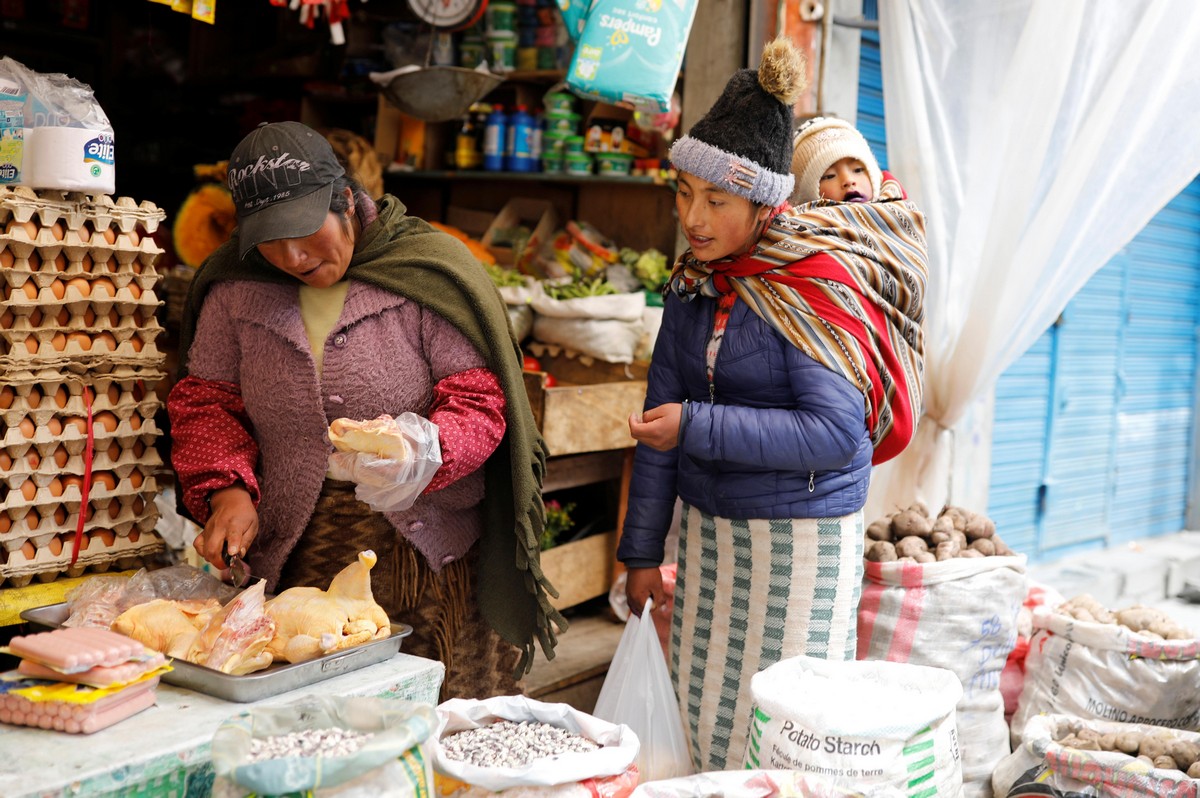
pixel 167 626
pixel 310 622
pixel 235 640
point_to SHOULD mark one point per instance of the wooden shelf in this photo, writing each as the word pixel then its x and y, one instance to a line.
pixel 523 177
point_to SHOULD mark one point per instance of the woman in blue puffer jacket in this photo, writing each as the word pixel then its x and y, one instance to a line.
pixel 772 389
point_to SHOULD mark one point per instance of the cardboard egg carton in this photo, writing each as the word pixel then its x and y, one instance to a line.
pixel 109 454
pixel 101 351
pixel 50 413
pixel 42 524
pixel 123 483
pixel 74 209
pixel 25 292
pixel 102 553
pixel 44 252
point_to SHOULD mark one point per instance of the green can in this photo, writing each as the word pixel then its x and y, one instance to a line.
pixel 560 101
pixel 552 164
pixel 563 121
pixel 574 144
pixel 500 16
pixel 554 142
pixel 579 164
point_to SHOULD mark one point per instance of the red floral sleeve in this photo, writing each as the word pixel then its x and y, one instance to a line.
pixel 468 408
pixel 212 447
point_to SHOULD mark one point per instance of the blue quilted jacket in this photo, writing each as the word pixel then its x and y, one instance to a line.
pixel 779 436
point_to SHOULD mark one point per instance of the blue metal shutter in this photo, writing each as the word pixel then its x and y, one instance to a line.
pixel 870 88
pixel 1114 380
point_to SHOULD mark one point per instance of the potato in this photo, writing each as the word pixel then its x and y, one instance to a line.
pixel 880 529
pixel 919 508
pixel 911 546
pixel 908 522
pixel 1155 745
pixel 980 526
pixel 1129 742
pixel 881 551
pixel 1139 618
pixel 1164 761
pixel 1185 753
pixel 943 524
pixel 925 557
pixel 969 553
pixel 1002 549
pixel 937 537
pixel 984 546
pixel 957 515
pixel 1194 771
pixel 947 550
pixel 1108 742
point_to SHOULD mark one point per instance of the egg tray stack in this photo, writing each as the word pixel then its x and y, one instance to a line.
pixel 78 321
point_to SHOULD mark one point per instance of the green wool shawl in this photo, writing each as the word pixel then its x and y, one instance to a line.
pixel 407 256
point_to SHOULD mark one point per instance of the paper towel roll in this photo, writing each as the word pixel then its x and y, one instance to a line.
pixel 69 159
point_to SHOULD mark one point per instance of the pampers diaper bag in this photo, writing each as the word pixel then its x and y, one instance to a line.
pixel 630 51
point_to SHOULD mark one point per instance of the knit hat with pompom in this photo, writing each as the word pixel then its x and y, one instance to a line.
pixel 743 145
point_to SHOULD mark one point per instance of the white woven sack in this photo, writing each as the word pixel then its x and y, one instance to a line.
pixel 959 614
pixel 1040 766
pixel 870 726
pixel 1108 672
pixel 607 327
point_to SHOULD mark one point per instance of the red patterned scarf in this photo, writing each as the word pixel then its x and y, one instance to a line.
pixel 844 283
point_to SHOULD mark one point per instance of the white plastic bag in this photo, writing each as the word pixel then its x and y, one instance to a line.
pixel 389 485
pixel 638 693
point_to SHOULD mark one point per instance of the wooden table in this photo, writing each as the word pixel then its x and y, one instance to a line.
pixel 165 750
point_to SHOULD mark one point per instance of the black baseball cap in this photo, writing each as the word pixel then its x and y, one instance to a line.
pixel 281 177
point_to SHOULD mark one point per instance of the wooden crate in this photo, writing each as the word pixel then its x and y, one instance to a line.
pixel 588 410
pixel 582 569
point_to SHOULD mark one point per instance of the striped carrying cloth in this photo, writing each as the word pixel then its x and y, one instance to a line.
pixel 750 593
pixel 845 283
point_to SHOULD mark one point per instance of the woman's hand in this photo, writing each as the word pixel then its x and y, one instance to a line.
pixel 642 584
pixel 658 427
pixel 232 525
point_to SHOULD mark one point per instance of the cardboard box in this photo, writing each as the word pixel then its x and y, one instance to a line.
pixel 538 216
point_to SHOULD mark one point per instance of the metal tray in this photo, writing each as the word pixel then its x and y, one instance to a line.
pixel 260 684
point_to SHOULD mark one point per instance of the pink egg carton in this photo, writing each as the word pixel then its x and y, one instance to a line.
pixel 73 209
pixel 99 555
pixel 78 718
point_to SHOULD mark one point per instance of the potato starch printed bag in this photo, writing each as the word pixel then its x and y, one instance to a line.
pixel 869 726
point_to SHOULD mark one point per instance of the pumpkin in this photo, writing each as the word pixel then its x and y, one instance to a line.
pixel 205 221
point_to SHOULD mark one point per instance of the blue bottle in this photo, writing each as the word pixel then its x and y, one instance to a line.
pixel 495 137
pixel 520 154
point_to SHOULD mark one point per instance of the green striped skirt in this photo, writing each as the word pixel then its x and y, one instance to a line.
pixel 748 594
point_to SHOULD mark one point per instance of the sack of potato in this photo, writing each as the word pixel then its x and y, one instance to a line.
pixel 1068 756
pixel 946 592
pixel 1134 665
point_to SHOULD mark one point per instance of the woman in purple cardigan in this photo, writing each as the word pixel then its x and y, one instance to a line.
pixel 327 305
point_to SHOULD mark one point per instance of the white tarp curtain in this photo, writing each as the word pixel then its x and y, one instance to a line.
pixel 1039 136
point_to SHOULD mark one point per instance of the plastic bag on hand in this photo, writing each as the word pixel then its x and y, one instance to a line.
pixel 389 485
pixel 638 693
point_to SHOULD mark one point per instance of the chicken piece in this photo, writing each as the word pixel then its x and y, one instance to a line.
pixel 165 625
pixel 310 622
pixel 235 639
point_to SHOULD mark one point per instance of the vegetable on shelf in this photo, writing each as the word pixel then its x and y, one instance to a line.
pixel 578 290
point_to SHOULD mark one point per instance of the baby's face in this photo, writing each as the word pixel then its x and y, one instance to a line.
pixel 846 181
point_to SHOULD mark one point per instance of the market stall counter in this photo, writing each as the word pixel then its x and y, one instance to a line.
pixel 165 750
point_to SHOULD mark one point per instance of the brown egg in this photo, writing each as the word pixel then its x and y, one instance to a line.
pixel 135 290
pixel 7 394
pixel 31 229
pixel 139 391
pixel 33 459
pixel 58 342
pixel 114 508
pixel 113 393
pixel 106 420
pixel 55 427
pixel 61 457
pixel 34 397
pixel 61 396
pixel 136 265
pixel 85 540
pixel 136 343
pixel 60 262
pixel 133 535
pixel 135 421
pixel 81 285
pixel 107 536
pixel 86 263
pixel 134 236
pixel 135 478
pixel 35 261
pixel 139 449
pixel 138 505
pixel 108 234
pixel 28 288
pixel 6 461
pixel 31 344
pixel 58 288
pixel 81 339
pixel 105 478
pixel 7 259
pixel 35 318
pixel 27 427
pixel 78 422
pixel 89 317
pixel 5 523
pixel 105 340
pixel 28 550
pixel 103 287
pixel 57 231
pixel 32 519
pixel 114 451
pixel 63 318
pixel 28 490
pixel 113 318
pixel 56 487
pixel 60 515
pixel 55 545
pixel 7 318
